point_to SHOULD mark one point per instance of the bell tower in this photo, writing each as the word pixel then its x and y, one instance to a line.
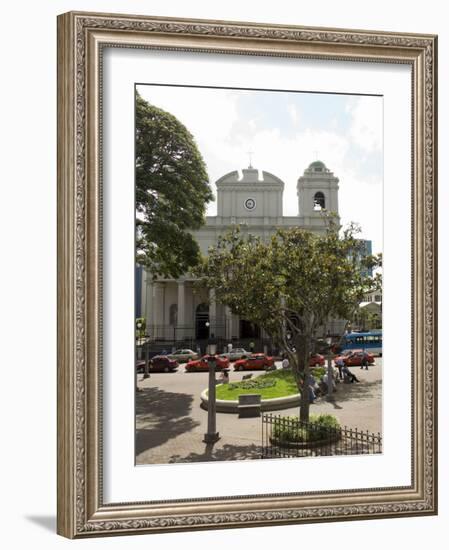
pixel 317 190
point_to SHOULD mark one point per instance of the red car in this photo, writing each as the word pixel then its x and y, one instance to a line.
pixel 159 363
pixel 255 361
pixel 355 357
pixel 202 364
pixel 316 360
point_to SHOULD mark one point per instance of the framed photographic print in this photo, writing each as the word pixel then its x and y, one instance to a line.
pixel 247 274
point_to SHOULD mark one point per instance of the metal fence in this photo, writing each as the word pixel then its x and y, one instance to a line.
pixel 285 437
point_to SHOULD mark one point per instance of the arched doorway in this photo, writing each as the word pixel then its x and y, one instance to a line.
pixel 249 329
pixel 202 322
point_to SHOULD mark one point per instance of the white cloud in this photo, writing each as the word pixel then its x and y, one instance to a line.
pixel 293 112
pixel 366 123
pixel 225 135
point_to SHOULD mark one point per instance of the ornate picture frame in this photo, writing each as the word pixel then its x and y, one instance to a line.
pixel 82 38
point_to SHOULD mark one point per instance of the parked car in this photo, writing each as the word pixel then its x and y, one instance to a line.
pixel 202 365
pixel 256 361
pixel 183 355
pixel 237 353
pixel 355 357
pixel 159 363
pixel 316 360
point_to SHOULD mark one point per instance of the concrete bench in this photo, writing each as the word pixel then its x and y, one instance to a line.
pixel 249 405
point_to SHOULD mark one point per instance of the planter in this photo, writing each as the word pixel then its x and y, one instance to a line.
pixel 276 404
pixel 305 444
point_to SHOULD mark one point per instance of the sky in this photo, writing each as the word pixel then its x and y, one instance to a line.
pixel 286 131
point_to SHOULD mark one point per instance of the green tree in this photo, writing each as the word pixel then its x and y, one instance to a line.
pixel 141 327
pixel 172 190
pixel 290 285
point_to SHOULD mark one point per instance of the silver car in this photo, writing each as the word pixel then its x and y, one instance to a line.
pixel 183 355
pixel 236 354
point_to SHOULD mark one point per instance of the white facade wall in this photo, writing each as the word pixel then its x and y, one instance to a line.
pixel 253 200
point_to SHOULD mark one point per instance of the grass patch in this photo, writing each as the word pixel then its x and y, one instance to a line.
pixel 278 383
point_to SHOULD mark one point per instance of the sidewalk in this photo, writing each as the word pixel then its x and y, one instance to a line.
pixel 170 423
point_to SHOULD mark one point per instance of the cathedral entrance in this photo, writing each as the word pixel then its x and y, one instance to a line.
pixel 202 322
pixel 248 329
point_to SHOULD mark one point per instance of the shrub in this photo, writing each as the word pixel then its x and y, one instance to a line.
pixel 291 429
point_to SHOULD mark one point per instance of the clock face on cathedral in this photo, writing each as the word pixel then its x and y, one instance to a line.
pixel 250 204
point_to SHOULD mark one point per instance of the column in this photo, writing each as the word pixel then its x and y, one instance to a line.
pixel 158 310
pixel 212 313
pixel 147 306
pixel 228 321
pixel 181 310
pixel 143 295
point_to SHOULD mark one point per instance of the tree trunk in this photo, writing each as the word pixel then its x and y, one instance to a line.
pixel 302 371
pixel 304 363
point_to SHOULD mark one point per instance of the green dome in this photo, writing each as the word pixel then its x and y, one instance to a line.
pixel 317 164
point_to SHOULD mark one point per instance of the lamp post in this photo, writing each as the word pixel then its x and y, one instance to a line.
pixel 207 325
pixel 330 374
pixel 139 326
pixel 212 436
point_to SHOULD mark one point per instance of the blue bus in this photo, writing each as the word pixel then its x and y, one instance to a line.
pixel 368 341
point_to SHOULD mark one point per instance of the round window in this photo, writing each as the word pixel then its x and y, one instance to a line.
pixel 250 204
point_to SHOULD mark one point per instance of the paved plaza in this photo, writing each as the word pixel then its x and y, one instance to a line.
pixel 170 424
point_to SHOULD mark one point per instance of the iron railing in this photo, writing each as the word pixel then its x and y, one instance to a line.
pixel 285 437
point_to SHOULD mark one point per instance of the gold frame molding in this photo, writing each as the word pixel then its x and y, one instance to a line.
pixel 81 37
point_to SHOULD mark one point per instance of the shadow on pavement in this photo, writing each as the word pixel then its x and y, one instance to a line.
pixel 358 390
pixel 161 416
pixel 226 452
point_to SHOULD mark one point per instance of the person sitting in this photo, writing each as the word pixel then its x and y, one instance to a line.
pixel 348 375
pixel 313 386
pixel 325 384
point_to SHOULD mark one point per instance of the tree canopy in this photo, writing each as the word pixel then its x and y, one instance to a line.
pixel 290 285
pixel 172 190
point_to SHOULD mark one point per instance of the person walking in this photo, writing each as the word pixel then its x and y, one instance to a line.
pixel 340 364
pixel 224 378
pixel 364 363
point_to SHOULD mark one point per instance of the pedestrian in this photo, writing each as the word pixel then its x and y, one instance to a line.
pixel 311 384
pixel 340 364
pixel 364 362
pixel 349 375
pixel 224 378
pixel 325 383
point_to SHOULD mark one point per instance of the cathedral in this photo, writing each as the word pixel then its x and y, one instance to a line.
pixel 178 313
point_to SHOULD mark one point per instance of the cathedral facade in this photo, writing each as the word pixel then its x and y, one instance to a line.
pixel 175 310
